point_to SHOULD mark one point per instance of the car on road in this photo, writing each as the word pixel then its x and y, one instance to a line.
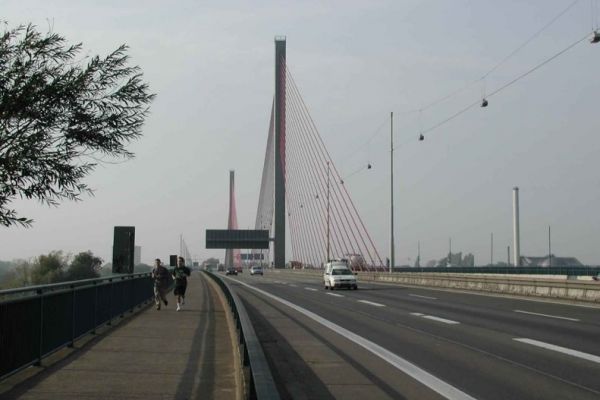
pixel 338 275
pixel 231 271
pixel 256 270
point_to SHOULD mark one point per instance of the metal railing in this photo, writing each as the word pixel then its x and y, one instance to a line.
pixel 36 321
pixel 261 384
pixel 579 271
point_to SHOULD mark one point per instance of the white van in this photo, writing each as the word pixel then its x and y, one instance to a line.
pixel 338 275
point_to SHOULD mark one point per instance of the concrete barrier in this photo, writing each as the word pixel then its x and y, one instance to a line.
pixel 566 289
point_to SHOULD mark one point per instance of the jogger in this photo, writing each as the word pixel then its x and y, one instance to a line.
pixel 161 282
pixel 180 274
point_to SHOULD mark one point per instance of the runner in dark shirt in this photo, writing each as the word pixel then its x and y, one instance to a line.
pixel 180 274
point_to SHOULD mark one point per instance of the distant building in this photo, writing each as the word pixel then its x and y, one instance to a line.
pixel 468 260
pixel 137 255
pixel 527 261
pixel 457 260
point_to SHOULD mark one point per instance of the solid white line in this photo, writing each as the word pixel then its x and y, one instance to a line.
pixel 564 350
pixel 423 297
pixel 311 289
pixel 444 320
pixel 371 303
pixel 432 382
pixel 545 315
pixel 417 314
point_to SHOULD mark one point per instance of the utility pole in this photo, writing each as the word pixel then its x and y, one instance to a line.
pixel 492 250
pixel 508 255
pixel 391 191
pixel 449 252
pixel 549 247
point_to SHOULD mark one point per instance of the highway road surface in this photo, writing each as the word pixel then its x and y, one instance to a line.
pixel 390 341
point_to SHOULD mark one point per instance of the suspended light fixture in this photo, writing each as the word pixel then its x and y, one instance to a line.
pixel 484 103
pixel 596 37
pixel 421 137
pixel 368 166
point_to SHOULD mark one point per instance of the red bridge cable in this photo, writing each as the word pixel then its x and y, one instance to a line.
pixel 295 192
pixel 299 187
pixel 306 181
pixel 345 190
pixel 337 220
pixel 322 179
pixel 326 154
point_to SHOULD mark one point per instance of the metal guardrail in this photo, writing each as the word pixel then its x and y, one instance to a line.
pixel 36 321
pixel 262 385
pixel 579 271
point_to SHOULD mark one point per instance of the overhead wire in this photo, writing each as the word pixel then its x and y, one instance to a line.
pixel 506 85
pixel 501 62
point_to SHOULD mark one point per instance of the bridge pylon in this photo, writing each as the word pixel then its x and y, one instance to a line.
pixel 279 111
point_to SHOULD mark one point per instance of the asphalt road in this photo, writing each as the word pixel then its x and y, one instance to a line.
pixel 389 341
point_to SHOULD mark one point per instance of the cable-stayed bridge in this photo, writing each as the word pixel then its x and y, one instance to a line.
pixel 414 335
pixel 302 188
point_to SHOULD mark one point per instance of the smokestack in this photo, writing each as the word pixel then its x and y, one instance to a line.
pixel 516 239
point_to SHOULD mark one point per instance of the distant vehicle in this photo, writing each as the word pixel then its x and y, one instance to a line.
pixel 231 271
pixel 256 270
pixel 338 275
pixel 239 269
pixel 596 278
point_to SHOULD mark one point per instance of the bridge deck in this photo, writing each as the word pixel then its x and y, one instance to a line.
pixel 154 355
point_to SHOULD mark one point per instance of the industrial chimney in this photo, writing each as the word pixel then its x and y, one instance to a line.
pixel 516 239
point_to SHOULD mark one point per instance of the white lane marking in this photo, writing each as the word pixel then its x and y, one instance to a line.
pixel 444 320
pixel 335 294
pixel 311 289
pixel 427 379
pixel 371 303
pixel 564 350
pixel 546 315
pixel 423 297
pixel 292 285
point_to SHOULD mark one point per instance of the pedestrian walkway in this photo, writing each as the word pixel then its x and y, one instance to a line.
pixel 164 354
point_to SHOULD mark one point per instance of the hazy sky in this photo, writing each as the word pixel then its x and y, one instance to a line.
pixel 212 67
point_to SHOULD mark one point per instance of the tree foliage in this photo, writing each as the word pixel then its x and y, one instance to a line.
pixel 49 268
pixel 84 266
pixel 60 117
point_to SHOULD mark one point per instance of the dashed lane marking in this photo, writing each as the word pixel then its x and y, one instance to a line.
pixel 422 297
pixel 564 350
pixel 371 303
pixel 545 315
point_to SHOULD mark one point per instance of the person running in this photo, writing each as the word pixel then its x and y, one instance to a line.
pixel 161 283
pixel 180 274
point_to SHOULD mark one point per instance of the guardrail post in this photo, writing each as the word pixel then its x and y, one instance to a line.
pixel 41 330
pixel 132 296
pixel 95 308
pixel 72 317
pixel 122 296
pixel 110 295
